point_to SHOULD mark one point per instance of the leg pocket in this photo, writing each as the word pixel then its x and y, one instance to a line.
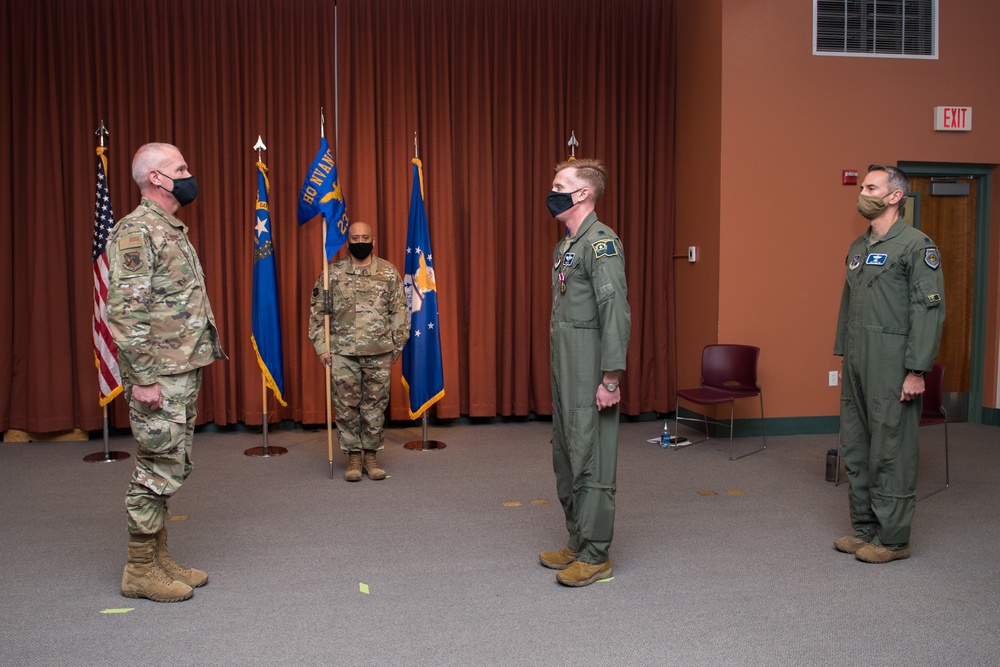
pixel 596 513
pixel 152 430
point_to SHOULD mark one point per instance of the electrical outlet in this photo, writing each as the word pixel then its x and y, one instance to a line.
pixel 833 378
pixel 692 253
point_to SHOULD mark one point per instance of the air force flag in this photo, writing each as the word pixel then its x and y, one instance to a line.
pixel 423 376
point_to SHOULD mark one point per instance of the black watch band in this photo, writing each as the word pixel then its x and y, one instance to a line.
pixel 918 373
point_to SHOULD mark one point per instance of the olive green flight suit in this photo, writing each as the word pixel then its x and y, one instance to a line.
pixel 589 333
pixel 891 317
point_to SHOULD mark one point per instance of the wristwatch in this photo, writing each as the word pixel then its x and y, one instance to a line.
pixel 610 386
pixel 918 373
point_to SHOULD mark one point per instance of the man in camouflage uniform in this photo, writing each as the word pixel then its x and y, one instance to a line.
pixel 888 332
pixel 162 323
pixel 588 332
pixel 368 329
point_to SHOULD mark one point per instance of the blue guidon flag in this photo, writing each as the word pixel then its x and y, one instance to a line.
pixel 423 376
pixel 265 319
pixel 321 194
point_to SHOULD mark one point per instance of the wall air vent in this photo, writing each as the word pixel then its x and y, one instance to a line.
pixel 876 28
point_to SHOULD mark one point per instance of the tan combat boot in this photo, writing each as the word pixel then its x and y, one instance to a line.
pixel 584 574
pixel 372 467
pixel 187 575
pixel 849 544
pixel 144 578
pixel 557 560
pixel 353 472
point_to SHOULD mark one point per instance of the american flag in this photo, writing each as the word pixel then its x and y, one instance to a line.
pixel 105 352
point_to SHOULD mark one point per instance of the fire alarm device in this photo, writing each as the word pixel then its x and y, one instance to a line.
pixel 849 177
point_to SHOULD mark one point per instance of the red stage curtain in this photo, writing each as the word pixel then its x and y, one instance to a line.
pixel 491 89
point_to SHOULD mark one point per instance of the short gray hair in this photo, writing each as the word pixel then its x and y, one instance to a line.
pixel 148 158
pixel 897 181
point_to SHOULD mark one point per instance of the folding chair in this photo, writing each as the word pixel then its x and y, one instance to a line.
pixel 728 373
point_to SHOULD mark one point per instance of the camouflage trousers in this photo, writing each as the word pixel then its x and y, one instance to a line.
pixel 163 450
pixel 360 392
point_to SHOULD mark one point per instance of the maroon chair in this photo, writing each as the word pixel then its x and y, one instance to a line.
pixel 728 373
pixel 934 413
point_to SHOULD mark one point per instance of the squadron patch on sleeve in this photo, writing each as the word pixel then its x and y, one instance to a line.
pixel 132 254
pixel 604 248
pixel 132 261
pixel 855 263
pixel 932 258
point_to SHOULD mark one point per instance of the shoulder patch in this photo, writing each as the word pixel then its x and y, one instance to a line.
pixel 132 254
pixel 932 258
pixel 604 248
pixel 130 241
pixel 133 261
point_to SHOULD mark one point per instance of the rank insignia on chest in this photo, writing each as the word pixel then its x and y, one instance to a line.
pixel 932 258
pixel 568 258
pixel 878 259
pixel 855 263
pixel 604 248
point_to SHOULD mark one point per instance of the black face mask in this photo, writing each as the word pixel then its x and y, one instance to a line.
pixel 184 189
pixel 360 250
pixel 559 202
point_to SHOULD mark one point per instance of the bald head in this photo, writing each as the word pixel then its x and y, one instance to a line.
pixel 360 242
pixel 359 232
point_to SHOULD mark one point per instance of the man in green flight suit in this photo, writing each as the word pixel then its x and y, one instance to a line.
pixel 589 332
pixel 889 330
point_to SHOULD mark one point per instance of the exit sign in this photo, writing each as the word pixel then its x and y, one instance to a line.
pixel 953 119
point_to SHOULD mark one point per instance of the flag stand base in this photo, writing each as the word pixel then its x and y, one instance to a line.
pixel 266 452
pixel 425 445
pixel 105 457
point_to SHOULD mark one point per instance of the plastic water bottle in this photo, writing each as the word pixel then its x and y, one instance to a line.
pixel 665 441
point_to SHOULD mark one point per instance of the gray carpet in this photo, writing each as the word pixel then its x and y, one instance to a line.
pixel 747 576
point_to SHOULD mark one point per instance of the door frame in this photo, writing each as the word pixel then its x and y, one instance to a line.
pixel 982 174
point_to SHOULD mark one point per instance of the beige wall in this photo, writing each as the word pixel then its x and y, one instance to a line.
pixel 764 130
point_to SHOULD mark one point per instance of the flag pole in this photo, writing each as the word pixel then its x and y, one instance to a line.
pixel 326 325
pixel 264 451
pixel 107 456
pixel 423 445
